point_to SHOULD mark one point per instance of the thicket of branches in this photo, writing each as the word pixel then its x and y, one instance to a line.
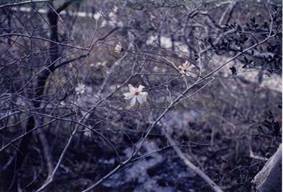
pixel 64 75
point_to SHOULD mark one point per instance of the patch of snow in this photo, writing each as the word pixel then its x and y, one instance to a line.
pixel 272 82
pixel 151 39
pixel 138 171
pixel 181 47
pixel 165 42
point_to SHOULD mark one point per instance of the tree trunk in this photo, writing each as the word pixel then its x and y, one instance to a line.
pixel 269 179
pixel 10 175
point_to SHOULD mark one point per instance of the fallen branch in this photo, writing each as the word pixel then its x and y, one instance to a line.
pixel 257 157
pixel 189 164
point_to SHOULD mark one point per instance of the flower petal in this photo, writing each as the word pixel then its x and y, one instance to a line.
pixel 128 95
pixel 133 101
pixel 132 89
pixel 186 63
pixel 144 94
pixel 140 88
pixel 142 97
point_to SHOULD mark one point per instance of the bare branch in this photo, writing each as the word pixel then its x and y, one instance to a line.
pixel 22 3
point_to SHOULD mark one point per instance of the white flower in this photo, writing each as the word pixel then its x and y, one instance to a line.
pixel 112 15
pixel 103 23
pixel 120 24
pixel 155 69
pixel 115 9
pixel 135 95
pixel 186 69
pixel 62 103
pixel 118 48
pixel 80 89
pixel 97 15
pixel 102 64
pixel 87 132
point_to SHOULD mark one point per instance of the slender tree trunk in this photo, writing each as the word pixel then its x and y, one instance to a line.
pixel 269 179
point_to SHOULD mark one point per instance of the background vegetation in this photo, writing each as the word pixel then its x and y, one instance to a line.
pixel 65 66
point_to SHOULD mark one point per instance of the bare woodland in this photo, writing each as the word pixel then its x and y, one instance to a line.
pixel 140 95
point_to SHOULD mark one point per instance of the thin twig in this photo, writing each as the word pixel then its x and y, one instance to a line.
pixel 22 3
pixel 176 100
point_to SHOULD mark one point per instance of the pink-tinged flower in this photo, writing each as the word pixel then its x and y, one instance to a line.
pixel 186 69
pixel 136 95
